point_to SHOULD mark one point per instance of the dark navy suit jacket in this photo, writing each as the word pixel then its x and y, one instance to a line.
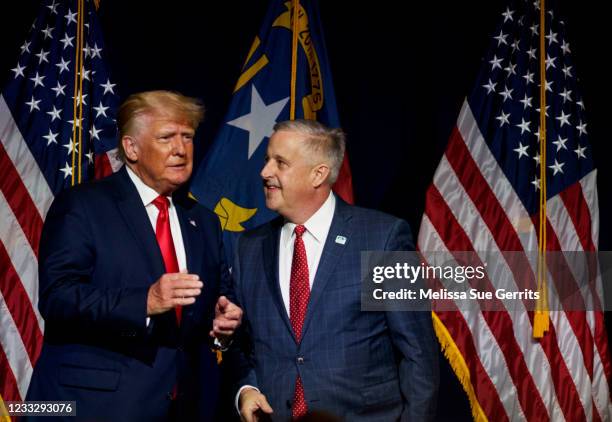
pixel 98 258
pixel 362 366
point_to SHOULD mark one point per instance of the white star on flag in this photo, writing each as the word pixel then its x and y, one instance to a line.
pixel 25 47
pixel 59 89
pixel 524 125
pixel 560 143
pixel 70 17
pixel 503 118
pixel 108 87
pixel 94 133
pixel 55 113
pixel 526 101
pixel 490 86
pixel 522 150
pixel 67 170
pixel 67 41
pixel 42 56
pixel 70 146
pixel 557 167
pixel 33 103
pixel 495 62
pixel 18 70
pixel 63 65
pixel 563 119
pixel 51 137
pixel 260 121
pixel 38 80
pixel 580 152
pixel 100 110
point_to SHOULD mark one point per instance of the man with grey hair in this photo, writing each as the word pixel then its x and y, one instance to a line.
pixel 307 346
pixel 323 142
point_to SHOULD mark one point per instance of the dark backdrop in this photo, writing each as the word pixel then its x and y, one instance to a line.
pixel 401 71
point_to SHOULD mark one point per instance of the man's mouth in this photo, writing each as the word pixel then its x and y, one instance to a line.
pixel 271 186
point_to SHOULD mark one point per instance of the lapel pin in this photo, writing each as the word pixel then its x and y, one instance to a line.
pixel 193 223
pixel 341 240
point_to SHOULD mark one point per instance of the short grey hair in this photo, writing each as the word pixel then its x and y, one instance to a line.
pixel 321 140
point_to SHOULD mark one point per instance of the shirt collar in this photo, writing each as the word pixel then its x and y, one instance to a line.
pixel 319 223
pixel 147 193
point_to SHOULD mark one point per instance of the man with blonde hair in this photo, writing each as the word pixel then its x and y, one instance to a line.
pixel 131 277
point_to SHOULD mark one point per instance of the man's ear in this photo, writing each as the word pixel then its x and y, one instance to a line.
pixel 320 173
pixel 130 147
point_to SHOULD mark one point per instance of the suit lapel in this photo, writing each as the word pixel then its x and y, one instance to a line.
pixel 332 252
pixel 194 249
pixel 194 253
pixel 270 253
pixel 136 219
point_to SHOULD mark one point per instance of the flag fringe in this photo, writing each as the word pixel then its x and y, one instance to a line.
pixel 457 362
pixel 4 416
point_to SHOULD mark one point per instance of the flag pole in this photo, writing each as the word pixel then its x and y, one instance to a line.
pixel 294 45
pixel 541 317
pixel 79 145
pixel 77 107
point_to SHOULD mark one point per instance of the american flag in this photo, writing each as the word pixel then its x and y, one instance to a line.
pixel 57 129
pixel 485 197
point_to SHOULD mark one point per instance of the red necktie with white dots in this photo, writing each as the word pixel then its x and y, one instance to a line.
pixel 299 294
pixel 164 239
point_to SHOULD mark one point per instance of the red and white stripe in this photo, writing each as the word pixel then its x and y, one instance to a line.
pixel 25 198
pixel 471 206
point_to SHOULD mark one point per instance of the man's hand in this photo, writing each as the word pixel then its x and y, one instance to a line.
pixel 172 290
pixel 252 405
pixel 228 317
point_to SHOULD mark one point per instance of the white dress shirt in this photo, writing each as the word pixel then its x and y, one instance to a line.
pixel 314 238
pixel 317 228
pixel 147 195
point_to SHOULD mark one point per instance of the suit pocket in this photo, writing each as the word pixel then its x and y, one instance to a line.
pixel 382 394
pixel 91 378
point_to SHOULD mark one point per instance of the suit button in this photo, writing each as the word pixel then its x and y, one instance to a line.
pixel 300 360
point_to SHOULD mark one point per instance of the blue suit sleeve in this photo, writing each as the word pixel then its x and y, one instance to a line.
pixel 66 266
pixel 412 334
pixel 241 351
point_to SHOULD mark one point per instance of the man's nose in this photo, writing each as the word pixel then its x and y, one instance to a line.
pixel 266 171
pixel 178 146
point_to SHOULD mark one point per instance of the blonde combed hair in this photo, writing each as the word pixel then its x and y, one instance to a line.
pixel 169 104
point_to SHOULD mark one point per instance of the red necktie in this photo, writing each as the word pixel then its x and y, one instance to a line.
pixel 299 294
pixel 164 239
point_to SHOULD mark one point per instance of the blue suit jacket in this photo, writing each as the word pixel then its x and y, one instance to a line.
pixel 98 258
pixel 363 366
